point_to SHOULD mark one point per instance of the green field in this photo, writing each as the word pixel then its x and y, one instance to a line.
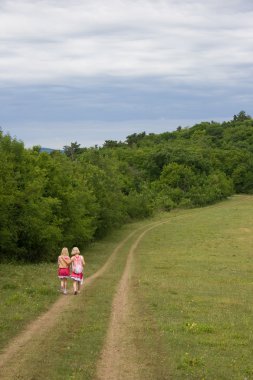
pixel 191 300
pixel 26 291
pixel 193 291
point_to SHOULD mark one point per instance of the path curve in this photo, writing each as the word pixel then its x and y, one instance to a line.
pixel 118 361
pixel 41 325
pixel 47 320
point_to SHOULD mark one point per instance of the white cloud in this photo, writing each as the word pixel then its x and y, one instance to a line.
pixel 187 41
pixel 94 70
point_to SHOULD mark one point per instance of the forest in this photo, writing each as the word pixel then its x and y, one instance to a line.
pixel 78 195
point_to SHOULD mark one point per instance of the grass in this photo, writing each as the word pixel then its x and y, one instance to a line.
pixel 191 297
pixel 26 291
pixel 192 290
pixel 71 349
pixel 83 326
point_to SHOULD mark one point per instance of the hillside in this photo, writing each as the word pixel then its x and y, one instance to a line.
pixel 52 200
pixel 165 298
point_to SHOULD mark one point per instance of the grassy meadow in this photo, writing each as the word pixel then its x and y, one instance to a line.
pixel 192 293
pixel 191 300
pixel 27 290
pixel 72 347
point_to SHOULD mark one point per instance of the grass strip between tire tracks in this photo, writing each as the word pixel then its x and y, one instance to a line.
pixel 71 348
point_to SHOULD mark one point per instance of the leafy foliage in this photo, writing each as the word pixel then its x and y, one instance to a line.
pixel 74 197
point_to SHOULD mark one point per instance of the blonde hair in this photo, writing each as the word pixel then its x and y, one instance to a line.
pixel 75 251
pixel 65 251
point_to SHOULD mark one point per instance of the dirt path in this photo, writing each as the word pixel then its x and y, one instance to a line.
pixel 119 358
pixel 39 327
pixel 37 330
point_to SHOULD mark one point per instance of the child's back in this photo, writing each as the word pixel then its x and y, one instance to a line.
pixel 63 261
pixel 63 269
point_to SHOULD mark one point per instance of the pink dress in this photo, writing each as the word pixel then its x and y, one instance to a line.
pixel 63 273
pixel 77 269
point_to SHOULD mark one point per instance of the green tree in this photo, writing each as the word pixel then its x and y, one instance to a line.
pixel 241 116
pixel 72 150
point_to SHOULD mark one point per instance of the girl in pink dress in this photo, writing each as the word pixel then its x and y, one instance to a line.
pixel 63 268
pixel 78 263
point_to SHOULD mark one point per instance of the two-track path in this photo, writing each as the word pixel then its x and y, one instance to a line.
pixel 117 361
pixel 119 358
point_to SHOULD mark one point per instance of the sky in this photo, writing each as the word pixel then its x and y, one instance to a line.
pixel 96 70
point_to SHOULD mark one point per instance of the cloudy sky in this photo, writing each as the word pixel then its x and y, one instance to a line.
pixel 96 70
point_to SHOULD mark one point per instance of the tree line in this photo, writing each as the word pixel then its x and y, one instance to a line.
pixel 76 196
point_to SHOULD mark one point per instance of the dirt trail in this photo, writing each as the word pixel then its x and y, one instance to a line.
pixel 119 359
pixel 36 331
pixel 37 328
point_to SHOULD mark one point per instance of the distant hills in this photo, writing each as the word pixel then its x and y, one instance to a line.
pixel 49 150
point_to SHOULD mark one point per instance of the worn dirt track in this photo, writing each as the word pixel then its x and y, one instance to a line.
pixel 119 358
pixel 107 369
pixel 36 329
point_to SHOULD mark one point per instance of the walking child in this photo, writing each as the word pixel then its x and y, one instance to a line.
pixel 78 263
pixel 63 269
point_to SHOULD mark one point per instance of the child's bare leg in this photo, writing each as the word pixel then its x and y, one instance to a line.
pixel 62 284
pixel 65 285
pixel 78 286
pixel 75 286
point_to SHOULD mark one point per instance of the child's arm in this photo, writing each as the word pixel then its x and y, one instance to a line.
pixel 83 261
pixel 67 260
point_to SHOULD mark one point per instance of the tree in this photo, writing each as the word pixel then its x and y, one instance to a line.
pixel 135 139
pixel 241 116
pixel 112 144
pixel 177 176
pixel 72 150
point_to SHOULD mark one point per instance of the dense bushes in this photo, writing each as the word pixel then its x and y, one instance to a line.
pixel 51 200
